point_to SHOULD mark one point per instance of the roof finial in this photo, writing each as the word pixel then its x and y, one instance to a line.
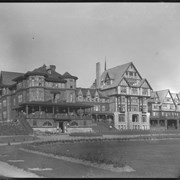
pixel 105 64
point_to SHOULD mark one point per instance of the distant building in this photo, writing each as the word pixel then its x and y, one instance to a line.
pixel 128 93
pixel 164 108
pixel 47 99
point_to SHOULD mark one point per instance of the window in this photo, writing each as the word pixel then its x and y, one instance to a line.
pixel 4 114
pixel 134 91
pixel 131 73
pixel 80 98
pixel 47 124
pixel 20 98
pixel 96 99
pixel 32 81
pixel 14 101
pixel 144 91
pixel 103 108
pixel 4 91
pixel 155 106
pixel 134 99
pixel 134 108
pixel 135 118
pixel 122 108
pixel 123 99
pixel 71 97
pixel 96 108
pixel 155 113
pixel 123 90
pixel 4 103
pixel 144 118
pixel 121 118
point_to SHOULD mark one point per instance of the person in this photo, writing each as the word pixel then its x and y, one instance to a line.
pixel 110 127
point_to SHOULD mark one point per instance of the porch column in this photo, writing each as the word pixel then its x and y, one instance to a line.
pixel 165 123
pixel 53 110
pixel 158 122
pixel 27 111
pixel 177 124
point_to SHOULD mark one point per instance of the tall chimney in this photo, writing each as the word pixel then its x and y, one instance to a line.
pixel 98 73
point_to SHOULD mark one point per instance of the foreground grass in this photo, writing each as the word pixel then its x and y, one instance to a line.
pixel 95 152
pixel 16 138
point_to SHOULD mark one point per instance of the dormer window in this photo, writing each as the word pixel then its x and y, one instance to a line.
pixel 96 99
pixel 49 71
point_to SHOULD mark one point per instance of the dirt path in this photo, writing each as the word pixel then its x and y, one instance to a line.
pixel 7 170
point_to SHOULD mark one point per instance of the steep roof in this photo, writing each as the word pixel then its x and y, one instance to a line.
pixel 7 77
pixel 162 94
pixel 92 92
pixel 115 74
pixel 53 76
pixel 67 75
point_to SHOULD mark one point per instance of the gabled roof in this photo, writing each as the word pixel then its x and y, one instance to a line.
pixel 7 78
pixel 142 82
pixel 162 95
pixel 92 92
pixel 154 97
pixel 67 75
pixel 116 74
pixel 175 96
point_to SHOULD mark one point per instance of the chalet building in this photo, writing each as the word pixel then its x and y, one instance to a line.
pixel 164 108
pixel 46 98
pixel 128 93
pixel 98 101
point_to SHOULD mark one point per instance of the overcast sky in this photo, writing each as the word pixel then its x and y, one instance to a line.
pixel 74 36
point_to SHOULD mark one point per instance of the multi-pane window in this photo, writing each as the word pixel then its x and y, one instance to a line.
pixel 14 101
pixel 4 103
pixel 96 108
pixel 103 108
pixel 144 118
pixel 121 118
pixel 155 113
pixel 4 91
pixel 123 90
pixel 135 118
pixel 20 98
pixel 134 99
pixel 144 91
pixel 80 98
pixel 134 91
pixel 134 108
pixel 123 99
pixel 4 114
pixel 155 106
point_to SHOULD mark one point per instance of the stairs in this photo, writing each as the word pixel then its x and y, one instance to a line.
pixel 25 124
pixel 104 128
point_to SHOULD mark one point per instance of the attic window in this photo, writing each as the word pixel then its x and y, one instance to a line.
pixel 49 71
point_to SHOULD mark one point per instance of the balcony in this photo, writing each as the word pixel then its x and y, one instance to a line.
pixel 58 116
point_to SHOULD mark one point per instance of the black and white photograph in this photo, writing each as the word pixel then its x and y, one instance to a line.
pixel 89 90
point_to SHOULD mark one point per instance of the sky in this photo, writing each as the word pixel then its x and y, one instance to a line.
pixel 75 36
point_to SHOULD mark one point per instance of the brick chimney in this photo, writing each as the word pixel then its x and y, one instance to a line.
pixel 53 67
pixel 98 74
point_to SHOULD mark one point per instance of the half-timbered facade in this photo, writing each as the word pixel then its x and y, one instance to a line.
pixel 128 93
pixel 99 102
pixel 164 110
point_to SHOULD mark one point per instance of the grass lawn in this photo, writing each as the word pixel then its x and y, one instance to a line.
pixel 16 138
pixel 158 158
